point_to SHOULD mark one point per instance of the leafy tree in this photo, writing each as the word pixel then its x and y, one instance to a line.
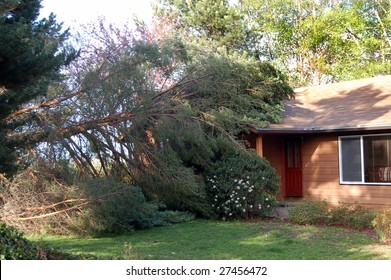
pixel 312 42
pixel 324 41
pixel 31 55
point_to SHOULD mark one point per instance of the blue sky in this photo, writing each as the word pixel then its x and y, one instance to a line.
pixel 76 12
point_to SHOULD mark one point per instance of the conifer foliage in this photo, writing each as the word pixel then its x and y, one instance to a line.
pixel 32 52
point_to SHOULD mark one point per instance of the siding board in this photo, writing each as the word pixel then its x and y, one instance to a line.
pixel 320 161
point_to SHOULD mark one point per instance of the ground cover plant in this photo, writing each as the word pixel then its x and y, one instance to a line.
pixel 317 212
pixel 382 225
pixel 14 246
pixel 203 239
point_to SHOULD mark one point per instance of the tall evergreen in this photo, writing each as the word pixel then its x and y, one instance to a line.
pixel 32 52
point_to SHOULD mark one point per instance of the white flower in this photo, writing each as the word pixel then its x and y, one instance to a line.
pixel 266 199
pixel 215 199
pixel 238 187
pixel 235 180
pixel 240 181
pixel 213 205
pixel 230 214
pixel 250 190
pixel 244 198
pixel 244 210
pixel 251 206
pixel 259 206
pixel 268 206
pixel 247 182
pixel 248 177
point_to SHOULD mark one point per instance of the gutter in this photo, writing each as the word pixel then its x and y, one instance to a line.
pixel 315 130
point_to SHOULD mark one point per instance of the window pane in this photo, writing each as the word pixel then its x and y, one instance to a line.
pixel 377 158
pixel 297 154
pixel 351 159
pixel 290 154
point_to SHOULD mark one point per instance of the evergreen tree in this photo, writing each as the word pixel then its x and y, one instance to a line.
pixel 31 55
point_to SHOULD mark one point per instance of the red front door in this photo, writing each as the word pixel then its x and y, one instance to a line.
pixel 293 168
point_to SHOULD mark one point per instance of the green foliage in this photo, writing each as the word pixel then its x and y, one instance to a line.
pixel 176 217
pixel 241 185
pixel 309 212
pixel 382 225
pixel 214 20
pixel 312 42
pixel 346 215
pixel 352 215
pixel 115 208
pixel 31 55
pixel 13 245
pixel 236 93
pixel 322 41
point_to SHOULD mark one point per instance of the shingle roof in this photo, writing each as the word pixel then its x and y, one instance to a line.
pixel 353 104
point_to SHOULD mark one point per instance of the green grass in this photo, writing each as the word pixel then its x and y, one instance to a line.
pixel 204 240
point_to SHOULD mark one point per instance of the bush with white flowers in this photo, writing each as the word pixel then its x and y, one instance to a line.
pixel 242 185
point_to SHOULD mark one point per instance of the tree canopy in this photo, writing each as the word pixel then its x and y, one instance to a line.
pixel 312 42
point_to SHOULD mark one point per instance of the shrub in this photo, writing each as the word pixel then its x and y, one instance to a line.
pixel 352 215
pixel 242 185
pixel 382 225
pixel 309 212
pixel 13 246
pixel 116 207
pixel 176 217
pixel 316 212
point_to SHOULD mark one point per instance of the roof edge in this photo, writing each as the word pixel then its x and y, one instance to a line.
pixel 312 130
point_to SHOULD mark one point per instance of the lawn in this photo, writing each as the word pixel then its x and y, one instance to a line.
pixel 204 240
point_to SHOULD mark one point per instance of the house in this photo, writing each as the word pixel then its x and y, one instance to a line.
pixel 334 143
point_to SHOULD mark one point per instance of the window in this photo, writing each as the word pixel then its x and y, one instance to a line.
pixel 365 159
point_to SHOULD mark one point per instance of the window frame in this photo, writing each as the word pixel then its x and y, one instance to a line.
pixel 362 182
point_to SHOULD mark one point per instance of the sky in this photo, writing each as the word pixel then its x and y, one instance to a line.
pixel 76 12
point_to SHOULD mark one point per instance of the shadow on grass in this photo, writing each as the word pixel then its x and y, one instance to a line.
pixel 203 240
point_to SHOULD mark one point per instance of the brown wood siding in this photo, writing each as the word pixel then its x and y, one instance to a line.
pixel 321 176
pixel 321 172
pixel 272 151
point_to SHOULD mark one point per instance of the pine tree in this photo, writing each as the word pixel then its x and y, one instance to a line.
pixel 31 55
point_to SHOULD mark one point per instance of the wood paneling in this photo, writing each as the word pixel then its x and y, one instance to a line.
pixel 321 172
pixel 321 176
